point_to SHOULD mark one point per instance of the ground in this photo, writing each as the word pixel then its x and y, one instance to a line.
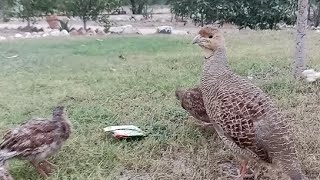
pixel 101 89
pixel 161 17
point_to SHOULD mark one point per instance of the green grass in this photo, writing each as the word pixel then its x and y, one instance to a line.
pixel 101 89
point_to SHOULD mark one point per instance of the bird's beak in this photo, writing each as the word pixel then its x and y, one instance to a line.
pixel 196 39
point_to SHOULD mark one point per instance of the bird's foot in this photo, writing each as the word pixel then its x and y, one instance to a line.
pixel 47 167
pixel 40 170
pixel 49 163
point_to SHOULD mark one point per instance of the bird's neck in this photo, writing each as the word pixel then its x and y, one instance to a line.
pixel 59 117
pixel 217 57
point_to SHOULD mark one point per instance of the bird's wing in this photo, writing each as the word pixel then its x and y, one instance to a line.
pixel 193 103
pixel 236 110
pixel 31 137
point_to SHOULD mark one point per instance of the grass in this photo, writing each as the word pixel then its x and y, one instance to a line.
pixel 101 89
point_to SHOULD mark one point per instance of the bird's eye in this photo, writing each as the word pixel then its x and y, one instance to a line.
pixel 210 36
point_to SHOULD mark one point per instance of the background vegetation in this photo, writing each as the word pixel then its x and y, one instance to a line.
pixel 262 14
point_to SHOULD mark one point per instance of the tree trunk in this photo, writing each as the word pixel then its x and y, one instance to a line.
pixel 140 8
pixel 28 20
pixel 202 19
pixel 317 16
pixel 133 6
pixel 300 54
pixel 309 14
pixel 85 24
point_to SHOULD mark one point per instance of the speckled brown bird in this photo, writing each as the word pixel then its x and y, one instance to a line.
pixel 245 118
pixel 37 140
pixel 191 101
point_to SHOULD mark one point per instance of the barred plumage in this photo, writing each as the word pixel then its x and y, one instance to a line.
pixel 37 140
pixel 191 100
pixel 246 116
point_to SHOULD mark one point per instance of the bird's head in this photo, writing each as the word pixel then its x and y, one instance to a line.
pixel 59 111
pixel 209 39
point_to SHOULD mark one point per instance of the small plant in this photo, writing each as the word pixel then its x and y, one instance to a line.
pixel 104 21
pixel 64 25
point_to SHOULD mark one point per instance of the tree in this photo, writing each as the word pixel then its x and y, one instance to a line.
pixel 314 12
pixel 261 14
pixel 89 9
pixel 137 6
pixel 6 9
pixel 27 9
pixel 300 54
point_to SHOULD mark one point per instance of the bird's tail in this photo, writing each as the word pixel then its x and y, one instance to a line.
pixel 179 93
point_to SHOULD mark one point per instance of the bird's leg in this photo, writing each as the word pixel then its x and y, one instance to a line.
pixel 202 124
pixel 243 168
pixel 47 166
pixel 49 163
pixel 40 171
pixel 205 125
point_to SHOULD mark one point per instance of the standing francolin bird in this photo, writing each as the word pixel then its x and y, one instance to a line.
pixel 245 118
pixel 37 140
pixel 191 100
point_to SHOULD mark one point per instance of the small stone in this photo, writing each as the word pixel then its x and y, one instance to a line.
pixel 100 32
pixel 18 35
pixel 45 34
pixel 2 38
pixel 28 35
pixel 127 29
pixel 165 29
pixel 55 33
pixel 64 33
pixel 74 33
pixel 81 31
pixel 91 32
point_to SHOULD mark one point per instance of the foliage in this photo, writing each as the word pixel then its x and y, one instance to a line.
pixel 64 25
pixel 27 9
pixel 47 6
pixel 6 10
pixel 103 20
pixel 263 14
pixel 89 9
pixel 138 6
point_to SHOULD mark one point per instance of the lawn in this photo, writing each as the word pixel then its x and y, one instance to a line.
pixel 101 89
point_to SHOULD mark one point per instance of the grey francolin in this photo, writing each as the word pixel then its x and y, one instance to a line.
pixel 37 140
pixel 191 100
pixel 244 117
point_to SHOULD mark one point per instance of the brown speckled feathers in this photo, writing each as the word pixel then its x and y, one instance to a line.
pixel 35 136
pixel 244 112
pixel 191 100
pixel 37 139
